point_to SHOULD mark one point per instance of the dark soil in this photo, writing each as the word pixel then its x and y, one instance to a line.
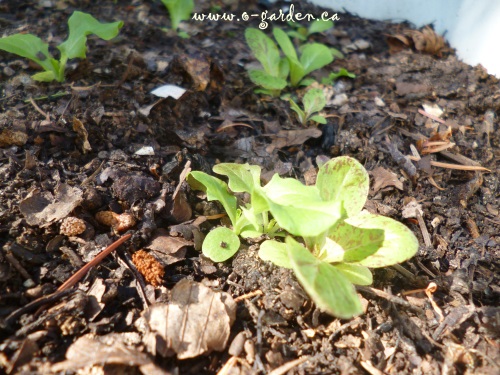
pixel 376 121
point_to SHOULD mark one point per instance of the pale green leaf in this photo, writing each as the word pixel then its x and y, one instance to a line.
pixel 355 273
pixel 265 80
pixel 241 177
pixel 179 10
pixel 216 189
pixel 80 25
pixel 397 244
pixel 220 244
pixel 318 26
pixel 275 252
pixel 328 287
pixel 315 56
pixel 318 118
pixel 33 48
pixel 345 181
pixel 285 44
pixel 299 209
pixel 314 101
pixel 264 50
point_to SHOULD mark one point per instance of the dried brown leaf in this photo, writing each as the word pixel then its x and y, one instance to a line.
pixel 90 350
pixel 197 321
pixel 384 178
pixel 286 138
pixel 168 249
pixel 43 208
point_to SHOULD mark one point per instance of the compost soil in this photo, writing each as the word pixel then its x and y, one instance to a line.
pixel 100 141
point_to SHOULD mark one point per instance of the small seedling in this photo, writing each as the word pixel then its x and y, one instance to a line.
pixel 340 240
pixel 332 77
pixel 302 32
pixel 80 25
pixel 272 77
pixel 179 10
pixel 314 101
pixel 222 243
pixel 313 56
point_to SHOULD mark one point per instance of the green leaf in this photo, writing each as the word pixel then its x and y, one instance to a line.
pixel 344 180
pixel 285 44
pixel 307 82
pixel 297 72
pixel 179 10
pixel 299 209
pixel 241 177
pixel 314 101
pixel 284 68
pixel 33 48
pixel 45 76
pixel 397 244
pixel 334 76
pixel 296 34
pixel 300 113
pixel 80 25
pixel 328 287
pixel 318 118
pixel 355 273
pixel 264 50
pixel 318 26
pixel 275 252
pixel 315 56
pixel 216 189
pixel 267 81
pixel 331 251
pixel 220 244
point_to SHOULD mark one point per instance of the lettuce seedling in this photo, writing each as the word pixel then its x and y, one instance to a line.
pixel 314 101
pixel 272 77
pixel 80 25
pixel 222 243
pixel 340 240
pixel 302 32
pixel 179 10
pixel 313 56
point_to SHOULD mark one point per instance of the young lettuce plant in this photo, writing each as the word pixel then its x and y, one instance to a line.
pixel 80 25
pixel 222 243
pixel 302 32
pixel 340 240
pixel 272 77
pixel 314 101
pixel 313 56
pixel 179 10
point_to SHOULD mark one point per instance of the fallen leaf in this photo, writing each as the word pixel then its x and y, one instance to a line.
pixel 133 187
pixel 89 351
pixel 168 249
pixel 82 135
pixel 426 41
pixel 44 208
pixel 286 138
pixel 196 321
pixel 384 178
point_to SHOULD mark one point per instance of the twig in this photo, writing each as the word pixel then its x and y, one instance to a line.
pixel 391 298
pixel 82 271
pixel 248 295
pixel 33 305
